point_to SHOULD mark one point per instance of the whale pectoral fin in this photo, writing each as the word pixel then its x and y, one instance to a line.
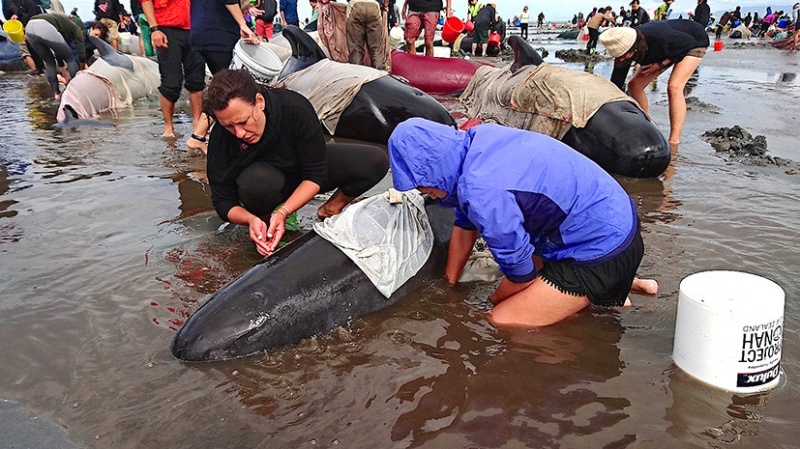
pixel 111 56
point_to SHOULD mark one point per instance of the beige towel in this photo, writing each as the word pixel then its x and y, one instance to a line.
pixel 330 86
pixel 545 98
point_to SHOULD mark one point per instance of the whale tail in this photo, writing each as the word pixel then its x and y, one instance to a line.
pixel 305 51
pixel 73 120
pixel 111 56
pixel 524 54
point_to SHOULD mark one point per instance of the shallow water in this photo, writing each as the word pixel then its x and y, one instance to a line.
pixel 108 242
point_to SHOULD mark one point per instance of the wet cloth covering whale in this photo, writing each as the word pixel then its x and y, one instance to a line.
pixel 388 240
pixel 544 98
pixel 332 97
pixel 113 81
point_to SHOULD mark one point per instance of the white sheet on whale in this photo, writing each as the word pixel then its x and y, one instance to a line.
pixel 389 242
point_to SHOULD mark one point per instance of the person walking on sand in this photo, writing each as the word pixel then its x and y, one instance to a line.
pixel 540 20
pixel 564 232
pixel 524 18
pixel 656 46
pixel 178 64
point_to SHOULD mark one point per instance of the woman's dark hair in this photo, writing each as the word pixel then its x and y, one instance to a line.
pixel 229 84
pixel 103 30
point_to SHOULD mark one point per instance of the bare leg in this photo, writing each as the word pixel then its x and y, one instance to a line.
pixel 334 205
pixel 411 47
pixel 677 102
pixel 540 304
pixel 167 110
pixel 636 87
pixel 31 64
pixel 428 48
pixel 196 102
pixel 483 48
pixel 474 47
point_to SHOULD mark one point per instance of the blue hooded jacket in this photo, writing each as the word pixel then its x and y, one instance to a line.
pixel 526 193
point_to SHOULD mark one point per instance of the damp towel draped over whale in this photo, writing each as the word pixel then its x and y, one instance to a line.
pixel 389 242
pixel 543 98
pixel 332 97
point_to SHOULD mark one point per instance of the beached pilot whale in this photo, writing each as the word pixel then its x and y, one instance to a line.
pixel 112 82
pixel 307 288
pixel 379 105
pixel 537 96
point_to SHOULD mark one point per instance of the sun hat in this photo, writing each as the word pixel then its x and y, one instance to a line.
pixel 618 41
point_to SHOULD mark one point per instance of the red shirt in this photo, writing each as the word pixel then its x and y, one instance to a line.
pixel 172 13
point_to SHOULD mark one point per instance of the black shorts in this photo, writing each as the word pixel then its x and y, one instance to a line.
pixel 606 284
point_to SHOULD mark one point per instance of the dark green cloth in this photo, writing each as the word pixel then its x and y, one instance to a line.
pixel 72 33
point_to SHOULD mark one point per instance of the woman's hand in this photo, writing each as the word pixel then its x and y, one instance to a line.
pixel 258 234
pixel 249 36
pixel 277 227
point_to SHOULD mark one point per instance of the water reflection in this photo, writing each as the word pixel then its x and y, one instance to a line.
pixel 707 416
pixel 654 196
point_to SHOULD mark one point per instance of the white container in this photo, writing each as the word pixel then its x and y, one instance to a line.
pixel 259 60
pixel 396 37
pixel 729 330
pixel 441 52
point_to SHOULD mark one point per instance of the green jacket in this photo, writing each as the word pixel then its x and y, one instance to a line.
pixel 72 33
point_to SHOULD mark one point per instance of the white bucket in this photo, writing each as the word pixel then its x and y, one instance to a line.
pixel 259 60
pixel 441 52
pixel 729 330
pixel 396 37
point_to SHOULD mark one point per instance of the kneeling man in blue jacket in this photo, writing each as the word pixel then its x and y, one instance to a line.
pixel 564 232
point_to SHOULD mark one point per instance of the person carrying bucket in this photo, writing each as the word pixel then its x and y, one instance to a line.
pixel 484 21
pixel 22 11
pixel 656 46
pixel 420 14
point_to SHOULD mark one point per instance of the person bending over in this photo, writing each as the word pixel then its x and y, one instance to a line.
pixel 564 232
pixel 268 148
pixel 656 46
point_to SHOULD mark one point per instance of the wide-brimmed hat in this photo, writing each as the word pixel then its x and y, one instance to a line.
pixel 618 41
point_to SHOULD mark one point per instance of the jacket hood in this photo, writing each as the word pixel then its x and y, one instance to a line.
pixel 426 153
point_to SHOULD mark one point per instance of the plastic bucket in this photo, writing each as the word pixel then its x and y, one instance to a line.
pixel 441 52
pixel 15 30
pixel 452 28
pixel 729 330
pixel 494 39
pixel 586 36
pixel 396 37
pixel 469 25
pixel 718 45
pixel 259 60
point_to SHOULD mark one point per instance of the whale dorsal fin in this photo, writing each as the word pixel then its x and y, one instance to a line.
pixel 524 54
pixel 305 51
pixel 111 56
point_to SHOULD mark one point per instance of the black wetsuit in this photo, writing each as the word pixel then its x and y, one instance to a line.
pixel 292 149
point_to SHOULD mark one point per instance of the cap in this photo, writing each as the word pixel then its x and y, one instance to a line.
pixel 618 41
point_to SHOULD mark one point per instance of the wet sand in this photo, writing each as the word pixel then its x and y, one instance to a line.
pixel 108 242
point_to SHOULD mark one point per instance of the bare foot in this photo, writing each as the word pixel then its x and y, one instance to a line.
pixel 169 133
pixel 326 210
pixel 648 286
pixel 628 302
pixel 194 144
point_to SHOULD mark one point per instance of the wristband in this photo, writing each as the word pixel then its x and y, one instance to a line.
pixel 155 28
pixel 198 138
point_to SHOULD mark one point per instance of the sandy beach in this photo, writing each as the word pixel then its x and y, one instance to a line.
pixel 108 242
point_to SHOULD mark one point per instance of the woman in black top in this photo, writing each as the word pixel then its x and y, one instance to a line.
pixel 268 149
pixel 655 46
